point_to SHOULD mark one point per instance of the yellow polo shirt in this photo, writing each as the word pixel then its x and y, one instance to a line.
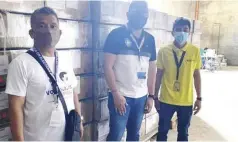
pixel 166 61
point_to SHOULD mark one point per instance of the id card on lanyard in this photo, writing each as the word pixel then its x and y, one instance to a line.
pixel 178 64
pixel 54 75
pixel 141 74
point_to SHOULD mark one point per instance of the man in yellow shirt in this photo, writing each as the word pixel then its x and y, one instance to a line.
pixel 178 66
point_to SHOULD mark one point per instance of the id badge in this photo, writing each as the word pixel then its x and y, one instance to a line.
pixel 55 119
pixel 141 75
pixel 177 86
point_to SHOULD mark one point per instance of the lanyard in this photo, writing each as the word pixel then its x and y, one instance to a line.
pixel 53 82
pixel 138 46
pixel 178 63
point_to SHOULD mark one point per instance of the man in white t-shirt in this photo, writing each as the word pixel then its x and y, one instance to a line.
pixel 35 114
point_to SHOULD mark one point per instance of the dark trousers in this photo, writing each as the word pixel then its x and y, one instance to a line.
pixel 184 114
pixel 131 120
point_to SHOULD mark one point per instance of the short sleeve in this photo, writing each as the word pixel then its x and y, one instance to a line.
pixel 198 61
pixel 153 51
pixel 111 44
pixel 160 63
pixel 16 79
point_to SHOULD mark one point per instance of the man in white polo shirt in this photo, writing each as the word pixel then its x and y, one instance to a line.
pixel 130 72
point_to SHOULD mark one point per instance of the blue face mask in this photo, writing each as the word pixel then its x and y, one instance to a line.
pixel 181 37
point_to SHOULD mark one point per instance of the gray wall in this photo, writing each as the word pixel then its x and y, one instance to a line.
pixel 223 14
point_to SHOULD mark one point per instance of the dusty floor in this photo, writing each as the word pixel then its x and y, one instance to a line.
pixel 199 131
pixel 218 119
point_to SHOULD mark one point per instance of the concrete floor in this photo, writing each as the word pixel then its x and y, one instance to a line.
pixel 220 102
pixel 218 119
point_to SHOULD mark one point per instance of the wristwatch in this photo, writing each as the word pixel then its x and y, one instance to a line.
pixel 153 97
pixel 81 118
pixel 199 98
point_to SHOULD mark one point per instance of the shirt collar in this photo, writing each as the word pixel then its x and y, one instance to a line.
pixel 180 49
pixel 129 30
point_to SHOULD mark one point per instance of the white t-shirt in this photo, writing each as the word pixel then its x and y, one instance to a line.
pixel 27 78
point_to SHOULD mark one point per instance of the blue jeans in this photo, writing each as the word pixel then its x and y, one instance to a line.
pixel 131 120
pixel 184 114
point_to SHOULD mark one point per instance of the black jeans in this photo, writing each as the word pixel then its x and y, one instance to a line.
pixel 184 114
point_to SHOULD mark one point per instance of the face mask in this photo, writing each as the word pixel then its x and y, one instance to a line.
pixel 136 21
pixel 46 39
pixel 181 37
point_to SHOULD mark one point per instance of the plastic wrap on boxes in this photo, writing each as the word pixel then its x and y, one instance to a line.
pixel 103 130
pixel 4 118
pixel 71 9
pixel 161 20
pixel 104 31
pixel 3 30
pixel 162 38
pixel 18 27
pixel 78 88
pixel 5 134
pixel 170 37
pixel 171 20
pixel 152 123
pixel 86 62
pixel 3 101
pixel 102 88
pixel 100 62
pixel 76 60
pixel 121 8
pixel 74 34
pixel 150 21
pixel 142 129
pixel 114 12
pixel 86 90
pixel 102 112
pixel 21 5
pixel 4 61
pixel 87 110
pixel 87 133
pixel 15 53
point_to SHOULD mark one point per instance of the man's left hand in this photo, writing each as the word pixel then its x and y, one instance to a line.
pixel 81 130
pixel 197 107
pixel 149 105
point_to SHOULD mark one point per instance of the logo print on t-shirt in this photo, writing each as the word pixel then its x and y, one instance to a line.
pixel 64 76
pixel 66 87
pixel 128 42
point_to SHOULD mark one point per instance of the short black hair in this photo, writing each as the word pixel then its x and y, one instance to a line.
pixel 138 5
pixel 43 10
pixel 181 22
